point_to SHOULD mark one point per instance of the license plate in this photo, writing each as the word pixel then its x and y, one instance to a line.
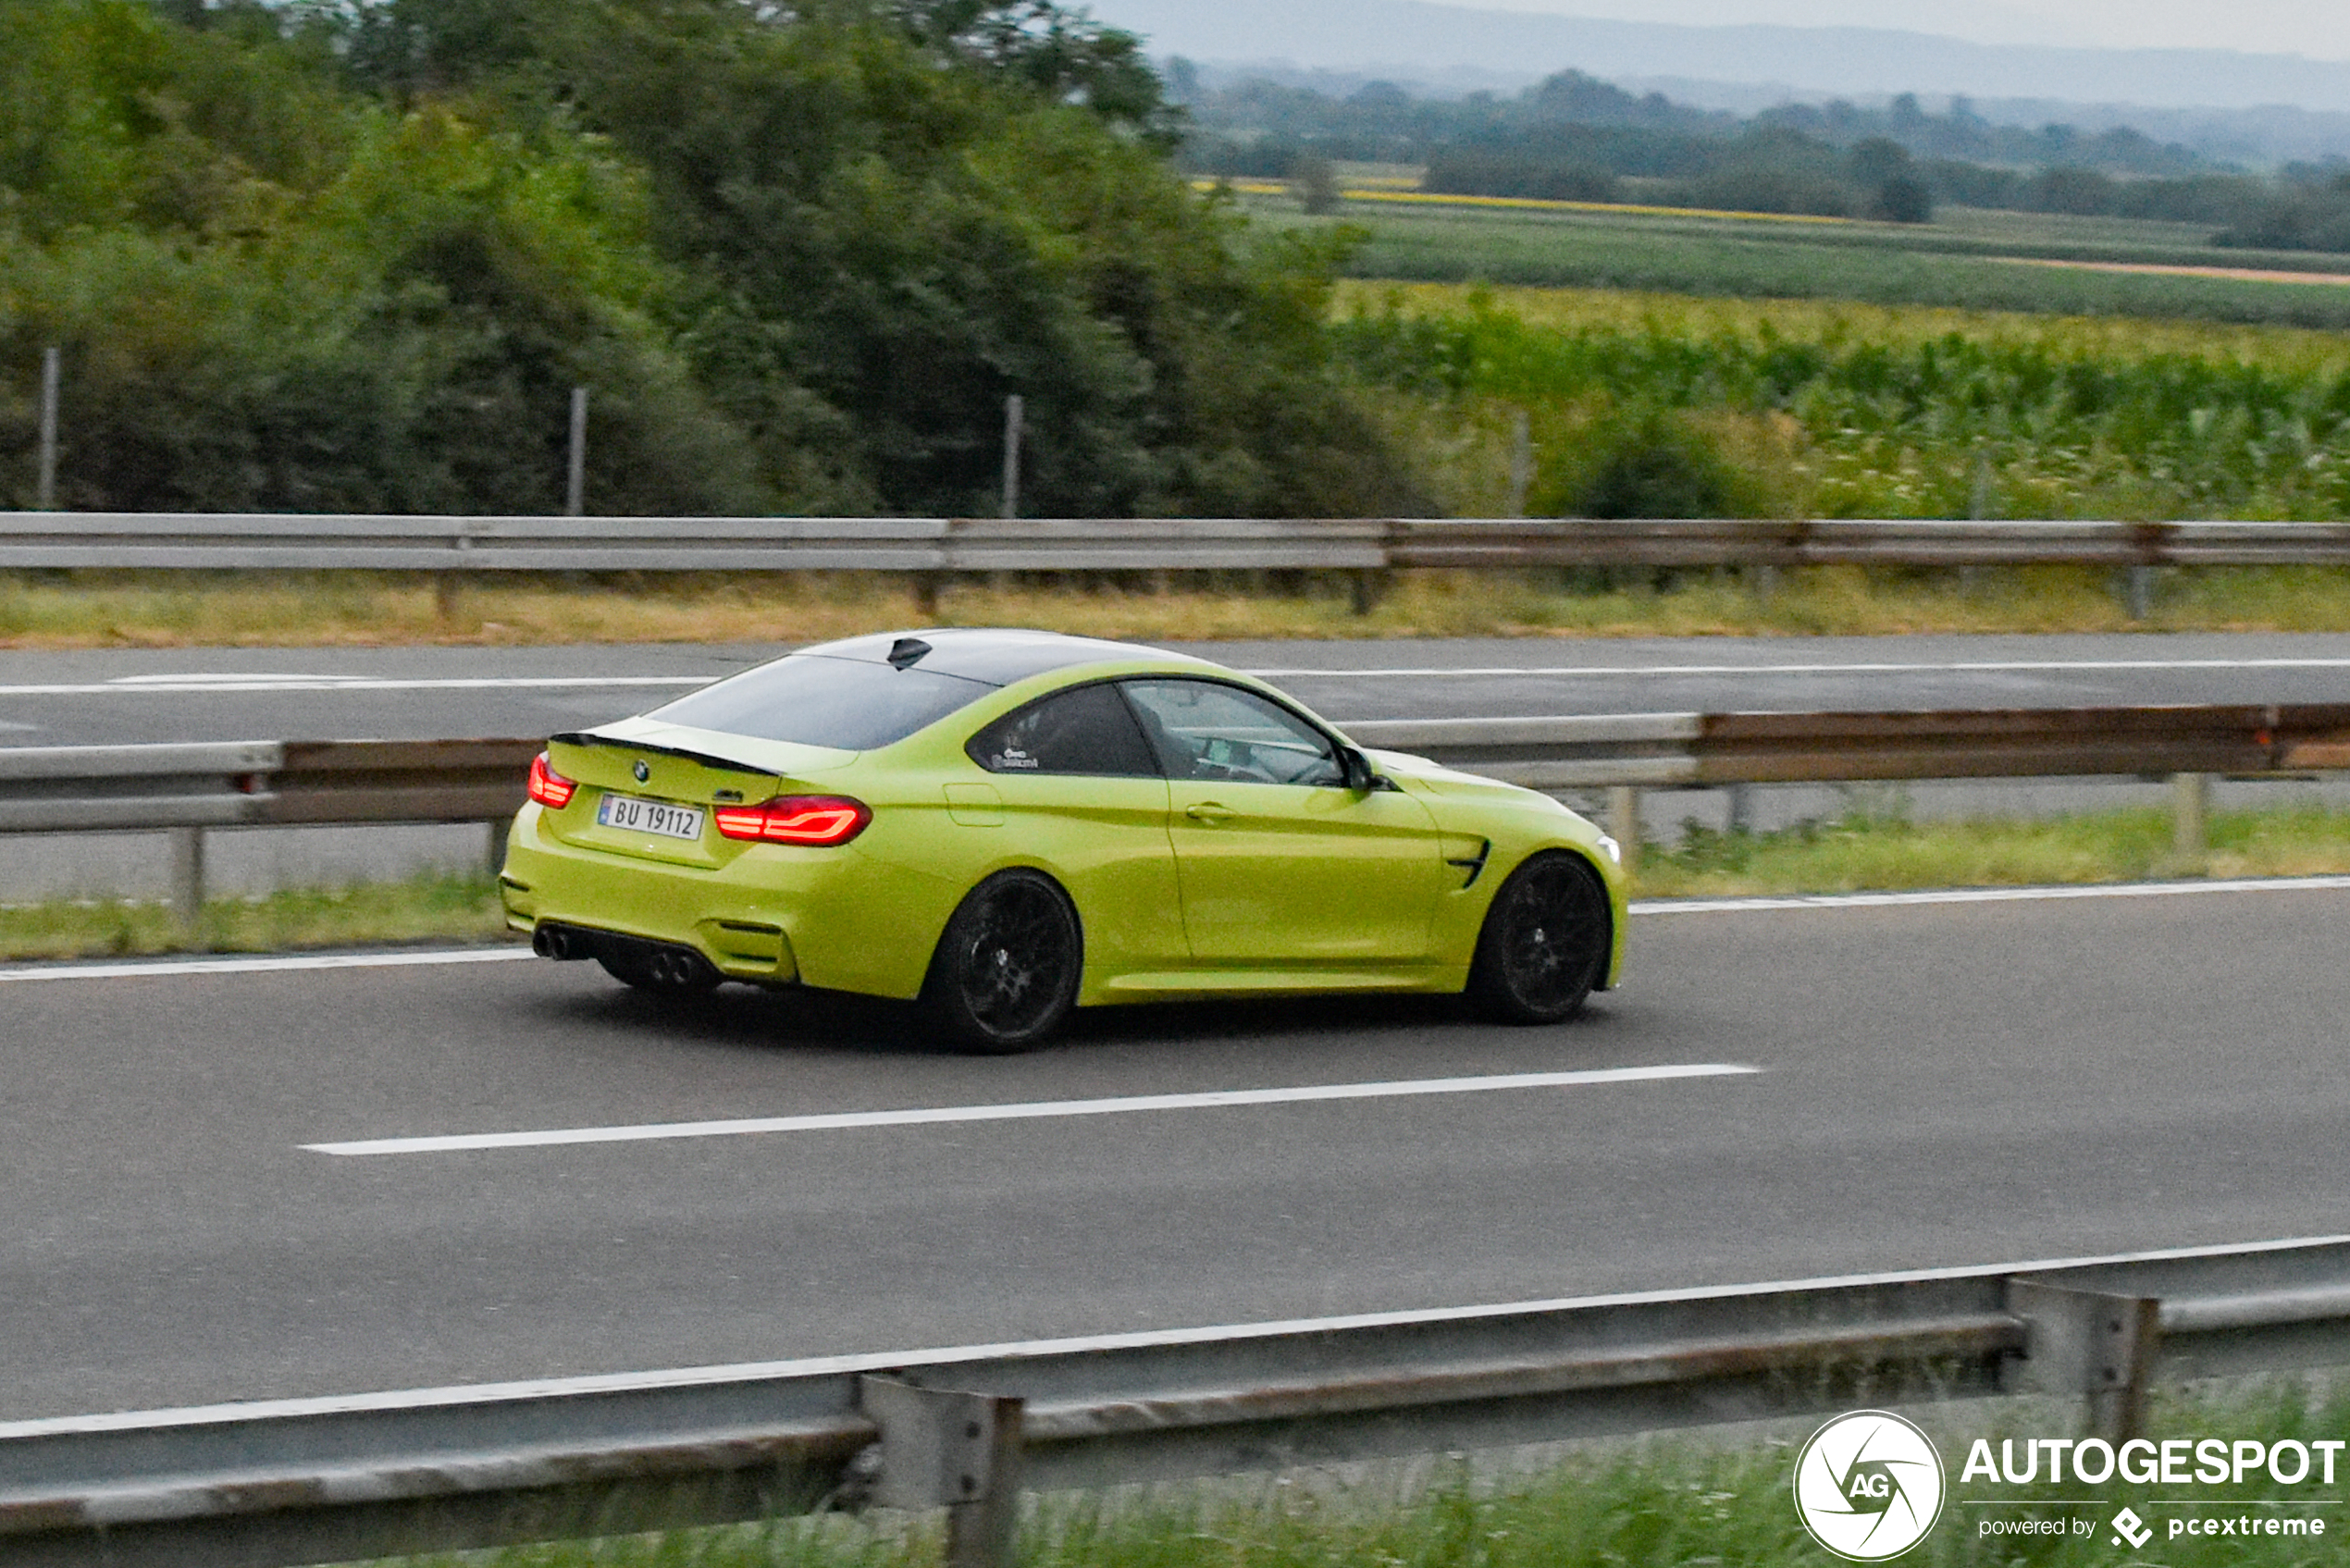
pixel 632 815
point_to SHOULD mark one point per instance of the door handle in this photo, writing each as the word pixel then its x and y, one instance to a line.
pixel 1209 811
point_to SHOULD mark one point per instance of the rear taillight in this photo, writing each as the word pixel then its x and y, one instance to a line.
pixel 817 821
pixel 547 786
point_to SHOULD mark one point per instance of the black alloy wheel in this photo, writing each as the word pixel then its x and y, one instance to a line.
pixel 1545 944
pixel 1004 975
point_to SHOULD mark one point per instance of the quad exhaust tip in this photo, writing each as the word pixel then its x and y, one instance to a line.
pixel 559 942
pixel 666 965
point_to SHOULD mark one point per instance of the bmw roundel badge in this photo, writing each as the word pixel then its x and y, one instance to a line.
pixel 643 771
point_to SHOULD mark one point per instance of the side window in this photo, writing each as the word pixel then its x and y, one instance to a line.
pixel 1086 731
pixel 1206 730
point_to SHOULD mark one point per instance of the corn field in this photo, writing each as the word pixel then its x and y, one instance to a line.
pixel 1770 409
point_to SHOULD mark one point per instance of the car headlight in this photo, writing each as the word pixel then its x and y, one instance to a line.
pixel 1613 850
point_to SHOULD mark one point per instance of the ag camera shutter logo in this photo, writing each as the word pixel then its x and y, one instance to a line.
pixel 1869 1486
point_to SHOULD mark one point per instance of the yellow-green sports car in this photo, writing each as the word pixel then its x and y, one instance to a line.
pixel 1006 825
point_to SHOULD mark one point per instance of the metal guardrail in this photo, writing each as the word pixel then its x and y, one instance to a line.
pixel 190 789
pixel 214 542
pixel 1699 749
pixel 339 1478
pixel 263 783
pixel 202 541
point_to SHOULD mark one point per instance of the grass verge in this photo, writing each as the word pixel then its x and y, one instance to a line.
pixel 1875 849
pixel 1870 849
pixel 296 610
pixel 440 908
pixel 1680 1501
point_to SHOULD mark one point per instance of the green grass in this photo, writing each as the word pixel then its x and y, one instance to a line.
pixel 438 909
pixel 1670 1503
pixel 1973 267
pixel 262 609
pixel 1874 847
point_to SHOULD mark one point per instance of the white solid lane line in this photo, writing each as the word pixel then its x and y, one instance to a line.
pixel 153 685
pixel 1969 667
pixel 1754 905
pixel 175 684
pixel 426 959
pixel 1217 1334
pixel 1984 896
pixel 1029 1112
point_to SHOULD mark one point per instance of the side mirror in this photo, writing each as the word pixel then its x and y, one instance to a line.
pixel 1359 777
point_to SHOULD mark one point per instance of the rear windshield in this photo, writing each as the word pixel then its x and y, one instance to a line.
pixel 847 703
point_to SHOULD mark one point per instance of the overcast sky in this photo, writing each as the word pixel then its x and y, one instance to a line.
pixel 2319 28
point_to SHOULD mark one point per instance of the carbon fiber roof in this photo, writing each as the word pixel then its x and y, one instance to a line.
pixel 996 655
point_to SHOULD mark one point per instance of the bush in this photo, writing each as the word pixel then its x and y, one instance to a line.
pixel 1902 199
pixel 2080 191
pixel 1654 466
pixel 2304 218
pixel 1473 171
pixel 1760 189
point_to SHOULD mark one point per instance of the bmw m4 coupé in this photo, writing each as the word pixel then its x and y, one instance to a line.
pixel 1004 824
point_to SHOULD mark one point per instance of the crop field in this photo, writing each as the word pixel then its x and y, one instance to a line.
pixel 1647 405
pixel 1972 260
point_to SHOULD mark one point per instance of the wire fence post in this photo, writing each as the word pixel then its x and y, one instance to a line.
pixel 51 374
pixel 1015 427
pixel 1978 508
pixel 575 488
pixel 1521 460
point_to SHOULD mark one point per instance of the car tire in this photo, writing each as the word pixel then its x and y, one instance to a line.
pixel 1545 945
pixel 1005 973
pixel 659 971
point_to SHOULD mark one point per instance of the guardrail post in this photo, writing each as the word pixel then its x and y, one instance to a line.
pixel 1623 822
pixel 1741 813
pixel 499 827
pixel 2191 819
pixel 186 877
pixel 959 1451
pixel 51 374
pixel 2090 1343
pixel 2137 592
pixel 1370 587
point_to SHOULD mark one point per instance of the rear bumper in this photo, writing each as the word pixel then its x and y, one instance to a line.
pixel 761 919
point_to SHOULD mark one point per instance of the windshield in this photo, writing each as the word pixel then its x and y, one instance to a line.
pixel 850 704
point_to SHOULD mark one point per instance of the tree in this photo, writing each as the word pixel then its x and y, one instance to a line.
pixel 1317 184
pixel 1902 199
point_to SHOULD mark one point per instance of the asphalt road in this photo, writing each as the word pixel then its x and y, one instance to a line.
pixel 125 697
pixel 1938 1085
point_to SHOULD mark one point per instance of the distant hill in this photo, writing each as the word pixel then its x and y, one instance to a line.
pixel 1416 41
